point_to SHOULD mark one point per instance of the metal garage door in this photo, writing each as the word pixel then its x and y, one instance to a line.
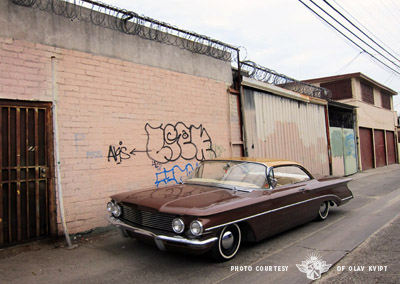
pixel 380 152
pixel 391 149
pixel 26 195
pixel 366 149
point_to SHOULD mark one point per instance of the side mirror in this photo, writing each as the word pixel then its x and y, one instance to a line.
pixel 273 182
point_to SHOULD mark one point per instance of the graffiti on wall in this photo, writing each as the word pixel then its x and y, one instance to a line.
pixel 175 175
pixel 80 138
pixel 349 145
pixel 343 143
pixel 218 150
pixel 120 153
pixel 171 142
pixel 156 165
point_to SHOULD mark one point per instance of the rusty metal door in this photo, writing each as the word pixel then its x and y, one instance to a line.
pixel 366 148
pixel 344 155
pixel 380 149
pixel 26 193
pixel 349 152
pixel 391 149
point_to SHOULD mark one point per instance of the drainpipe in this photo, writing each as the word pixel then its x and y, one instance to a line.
pixel 57 151
pixel 328 138
pixel 242 121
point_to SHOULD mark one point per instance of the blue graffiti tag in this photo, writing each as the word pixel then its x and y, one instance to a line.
pixel 349 145
pixel 175 174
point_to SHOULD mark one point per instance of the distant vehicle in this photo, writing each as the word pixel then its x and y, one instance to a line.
pixel 225 202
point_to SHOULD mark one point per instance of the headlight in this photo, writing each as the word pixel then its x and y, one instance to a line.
pixel 196 228
pixel 110 207
pixel 116 210
pixel 178 226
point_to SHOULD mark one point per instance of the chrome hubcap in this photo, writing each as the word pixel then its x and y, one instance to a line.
pixel 322 208
pixel 227 240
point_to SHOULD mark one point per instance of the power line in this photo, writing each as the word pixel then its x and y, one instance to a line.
pixel 362 5
pixel 366 28
pixel 395 6
pixel 377 59
pixel 390 78
pixel 351 23
pixel 390 11
pixel 354 33
pixel 349 63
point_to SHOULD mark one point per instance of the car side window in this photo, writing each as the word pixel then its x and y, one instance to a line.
pixel 290 175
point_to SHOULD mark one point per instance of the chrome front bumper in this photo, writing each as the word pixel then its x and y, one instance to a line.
pixel 163 240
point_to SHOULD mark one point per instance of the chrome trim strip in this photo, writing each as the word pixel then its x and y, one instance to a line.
pixel 347 198
pixel 158 238
pixel 270 211
pixel 120 224
pixel 187 241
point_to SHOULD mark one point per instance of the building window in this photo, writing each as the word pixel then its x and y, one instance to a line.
pixel 340 89
pixel 339 117
pixel 367 93
pixel 385 98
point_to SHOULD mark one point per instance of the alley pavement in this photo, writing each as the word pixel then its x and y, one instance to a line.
pixel 377 260
pixel 369 255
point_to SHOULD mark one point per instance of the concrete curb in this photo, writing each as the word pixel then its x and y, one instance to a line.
pixel 375 171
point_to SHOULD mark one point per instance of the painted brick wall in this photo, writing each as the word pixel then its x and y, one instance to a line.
pixel 25 70
pixel 106 109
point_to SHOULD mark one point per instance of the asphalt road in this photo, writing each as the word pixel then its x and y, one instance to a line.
pixel 363 233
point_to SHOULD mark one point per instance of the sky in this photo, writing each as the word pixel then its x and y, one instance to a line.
pixel 283 35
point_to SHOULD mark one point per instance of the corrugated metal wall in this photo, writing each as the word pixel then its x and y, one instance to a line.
pixel 279 127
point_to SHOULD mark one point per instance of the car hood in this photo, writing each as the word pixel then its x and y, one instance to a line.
pixel 186 199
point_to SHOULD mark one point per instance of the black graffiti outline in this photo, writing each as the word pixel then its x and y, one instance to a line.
pixel 179 135
pixel 121 153
pixel 118 154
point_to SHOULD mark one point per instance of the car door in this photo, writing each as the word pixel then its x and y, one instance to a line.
pixel 289 197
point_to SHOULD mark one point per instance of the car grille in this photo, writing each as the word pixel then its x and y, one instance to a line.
pixel 147 219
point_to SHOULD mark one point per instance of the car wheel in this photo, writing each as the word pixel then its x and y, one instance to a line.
pixel 228 243
pixel 323 211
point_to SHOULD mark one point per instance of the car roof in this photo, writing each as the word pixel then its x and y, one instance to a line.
pixel 265 161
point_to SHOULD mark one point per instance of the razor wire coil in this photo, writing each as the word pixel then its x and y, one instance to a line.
pixel 269 76
pixel 128 22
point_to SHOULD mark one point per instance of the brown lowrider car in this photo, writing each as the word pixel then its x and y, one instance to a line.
pixel 225 202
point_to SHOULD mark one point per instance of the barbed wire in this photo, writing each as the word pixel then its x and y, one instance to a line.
pixel 128 22
pixel 269 76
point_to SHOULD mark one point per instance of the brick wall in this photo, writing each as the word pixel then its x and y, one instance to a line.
pixel 106 109
pixel 25 70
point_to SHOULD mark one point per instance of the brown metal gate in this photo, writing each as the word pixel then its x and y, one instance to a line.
pixel 391 149
pixel 27 202
pixel 366 148
pixel 380 152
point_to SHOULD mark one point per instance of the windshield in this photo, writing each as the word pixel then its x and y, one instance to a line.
pixel 230 173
